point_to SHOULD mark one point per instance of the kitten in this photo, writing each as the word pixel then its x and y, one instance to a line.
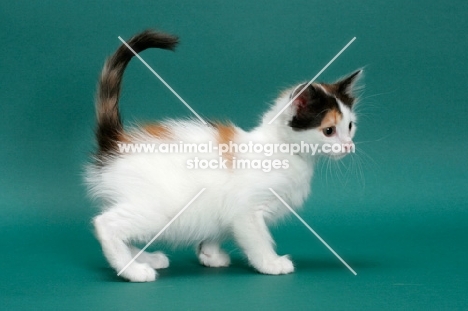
pixel 142 191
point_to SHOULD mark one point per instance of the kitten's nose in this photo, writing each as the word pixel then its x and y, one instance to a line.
pixel 348 146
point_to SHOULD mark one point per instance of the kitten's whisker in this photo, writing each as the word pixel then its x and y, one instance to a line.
pixel 340 166
pixel 375 95
pixel 360 172
pixel 368 157
pixel 374 140
pixel 349 170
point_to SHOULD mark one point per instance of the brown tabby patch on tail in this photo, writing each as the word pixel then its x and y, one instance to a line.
pixel 109 124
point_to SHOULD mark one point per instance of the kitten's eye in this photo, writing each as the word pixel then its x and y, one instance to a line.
pixel 350 125
pixel 329 131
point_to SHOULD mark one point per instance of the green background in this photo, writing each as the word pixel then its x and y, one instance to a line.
pixel 396 211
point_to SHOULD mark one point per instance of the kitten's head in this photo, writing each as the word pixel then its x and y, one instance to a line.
pixel 323 114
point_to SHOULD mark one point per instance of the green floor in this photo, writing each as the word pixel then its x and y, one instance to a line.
pixel 397 211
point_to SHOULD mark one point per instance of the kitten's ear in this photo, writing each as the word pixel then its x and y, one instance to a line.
pixel 345 88
pixel 305 112
pixel 304 96
pixel 346 85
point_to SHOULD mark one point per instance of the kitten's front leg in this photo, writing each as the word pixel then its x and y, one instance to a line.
pixel 252 235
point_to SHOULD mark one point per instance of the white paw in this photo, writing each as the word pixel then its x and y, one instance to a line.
pixel 278 265
pixel 218 259
pixel 139 272
pixel 157 260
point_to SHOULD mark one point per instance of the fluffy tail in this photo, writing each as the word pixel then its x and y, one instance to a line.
pixel 109 124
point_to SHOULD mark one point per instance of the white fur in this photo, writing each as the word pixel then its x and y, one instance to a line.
pixel 141 193
pixel 211 255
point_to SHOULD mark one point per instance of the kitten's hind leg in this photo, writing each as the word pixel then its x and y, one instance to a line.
pixel 252 235
pixel 112 230
pixel 156 260
pixel 210 255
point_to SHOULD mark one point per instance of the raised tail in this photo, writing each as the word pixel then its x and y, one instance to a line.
pixel 109 123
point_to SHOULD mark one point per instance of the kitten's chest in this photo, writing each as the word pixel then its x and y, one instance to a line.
pixel 295 183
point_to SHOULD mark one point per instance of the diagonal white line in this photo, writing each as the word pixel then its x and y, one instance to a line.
pixel 313 79
pixel 313 231
pixel 164 82
pixel 160 232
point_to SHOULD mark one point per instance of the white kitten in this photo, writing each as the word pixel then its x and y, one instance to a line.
pixel 142 191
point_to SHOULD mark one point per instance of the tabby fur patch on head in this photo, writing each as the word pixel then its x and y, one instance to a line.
pixel 320 102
